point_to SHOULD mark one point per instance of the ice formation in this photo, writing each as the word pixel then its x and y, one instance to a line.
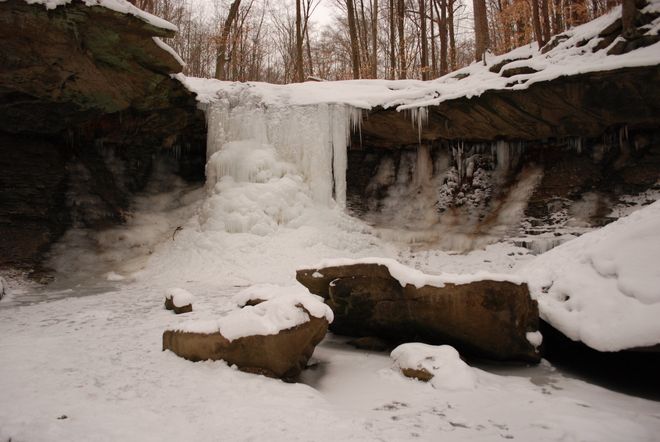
pixel 312 138
pixel 458 195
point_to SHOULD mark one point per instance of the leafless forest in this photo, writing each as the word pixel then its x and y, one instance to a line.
pixel 284 41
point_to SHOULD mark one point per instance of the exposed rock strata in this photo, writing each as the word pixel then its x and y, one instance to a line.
pixel 87 104
pixel 485 318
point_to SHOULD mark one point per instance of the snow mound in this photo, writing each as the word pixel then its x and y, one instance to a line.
pixel 603 288
pixel 180 297
pixel 266 292
pixel 121 6
pixel 267 318
pixel 443 362
pixel 407 275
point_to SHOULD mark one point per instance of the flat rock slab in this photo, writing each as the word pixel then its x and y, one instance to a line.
pixel 485 318
pixel 283 355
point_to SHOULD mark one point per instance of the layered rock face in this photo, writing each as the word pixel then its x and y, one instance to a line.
pixel 540 133
pixel 576 106
pixel 88 105
pixel 485 318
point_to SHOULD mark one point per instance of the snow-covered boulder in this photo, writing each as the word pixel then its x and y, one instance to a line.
pixel 603 288
pixel 441 365
pixel 179 300
pixel 486 314
pixel 275 338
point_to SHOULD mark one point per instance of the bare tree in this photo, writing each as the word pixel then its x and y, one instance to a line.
pixel 300 75
pixel 392 20
pixel 536 22
pixel 374 39
pixel 424 56
pixel 400 16
pixel 481 38
pixel 355 48
pixel 452 34
pixel 628 15
pixel 223 40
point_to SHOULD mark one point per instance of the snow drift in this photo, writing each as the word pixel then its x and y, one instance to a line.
pixel 603 288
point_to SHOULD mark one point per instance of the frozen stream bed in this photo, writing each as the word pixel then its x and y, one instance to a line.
pixel 91 367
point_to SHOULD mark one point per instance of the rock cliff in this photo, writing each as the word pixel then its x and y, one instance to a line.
pixel 87 105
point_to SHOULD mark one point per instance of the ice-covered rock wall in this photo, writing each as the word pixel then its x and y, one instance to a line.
pixel 461 194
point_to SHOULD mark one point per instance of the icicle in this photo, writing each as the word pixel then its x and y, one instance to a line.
pixel 419 117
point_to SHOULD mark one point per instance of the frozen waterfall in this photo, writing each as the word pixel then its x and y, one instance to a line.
pixel 312 138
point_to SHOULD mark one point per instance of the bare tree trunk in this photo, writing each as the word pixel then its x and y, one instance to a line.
pixel 363 39
pixel 628 14
pixel 352 30
pixel 536 23
pixel 374 39
pixel 392 42
pixel 309 52
pixel 434 64
pixel 400 12
pixel 452 35
pixel 221 58
pixel 558 22
pixel 546 21
pixel 300 73
pixel 424 56
pixel 443 37
pixel 481 39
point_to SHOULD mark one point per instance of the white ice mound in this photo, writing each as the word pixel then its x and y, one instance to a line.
pixel 443 362
pixel 603 288
pixel 252 191
pixel 267 318
pixel 180 297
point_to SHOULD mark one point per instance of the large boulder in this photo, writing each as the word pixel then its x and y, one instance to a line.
pixel 275 338
pixel 484 315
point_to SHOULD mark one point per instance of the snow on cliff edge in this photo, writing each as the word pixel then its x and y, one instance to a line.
pixel 121 6
pixel 603 288
pixel 576 52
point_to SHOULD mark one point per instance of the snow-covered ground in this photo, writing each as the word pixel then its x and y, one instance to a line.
pixel 82 360
pixel 91 368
